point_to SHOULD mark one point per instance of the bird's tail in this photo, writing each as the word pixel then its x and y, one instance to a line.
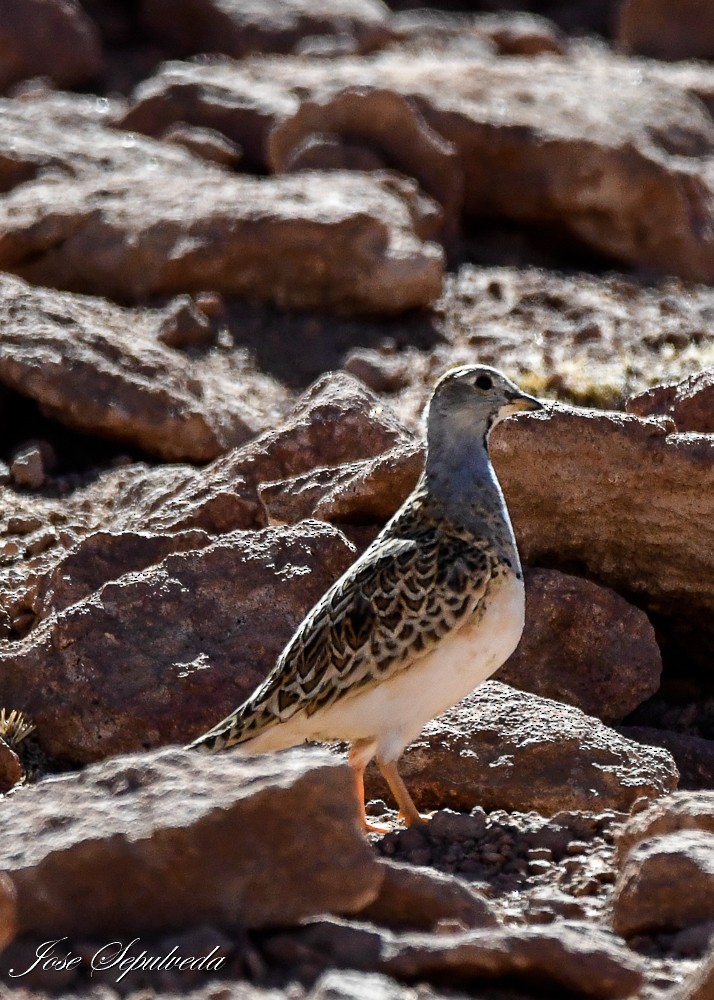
pixel 234 729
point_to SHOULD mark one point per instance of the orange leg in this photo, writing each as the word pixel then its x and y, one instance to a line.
pixel 360 755
pixel 407 809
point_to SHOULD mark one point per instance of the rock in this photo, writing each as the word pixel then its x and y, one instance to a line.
pixel 574 957
pixel 27 468
pixel 69 134
pixel 683 811
pixel 643 528
pixel 520 34
pixel 505 749
pixel 217 619
pixel 689 403
pixel 386 124
pixel 346 984
pixel 138 232
pixel 246 842
pixel 666 882
pixel 205 142
pixel 693 755
pixel 184 325
pixel 446 32
pixel 51 38
pixel 516 123
pixel 369 491
pixel 381 372
pixel 11 772
pixel 185 93
pixel 654 28
pixel 99 368
pixel 584 645
pixel 337 421
pixel 8 911
pixel 104 556
pixel 239 29
pixel 418 898
pixel 700 984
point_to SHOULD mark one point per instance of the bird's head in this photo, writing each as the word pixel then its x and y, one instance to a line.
pixel 469 401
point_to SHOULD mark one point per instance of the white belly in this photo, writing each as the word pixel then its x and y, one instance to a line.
pixel 393 712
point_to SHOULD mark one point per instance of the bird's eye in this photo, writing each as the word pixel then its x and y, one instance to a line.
pixel 484 382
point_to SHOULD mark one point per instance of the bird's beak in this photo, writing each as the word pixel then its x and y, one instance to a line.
pixel 521 402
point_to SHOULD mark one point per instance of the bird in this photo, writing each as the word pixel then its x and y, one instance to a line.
pixel 434 606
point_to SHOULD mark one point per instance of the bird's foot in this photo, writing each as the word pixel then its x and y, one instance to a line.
pixel 416 818
pixel 370 827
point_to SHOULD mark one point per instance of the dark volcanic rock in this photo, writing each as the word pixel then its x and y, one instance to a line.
pixel 176 839
pixel 52 38
pixel 240 28
pixel 584 645
pixel 193 636
pixel 505 749
pixel 656 28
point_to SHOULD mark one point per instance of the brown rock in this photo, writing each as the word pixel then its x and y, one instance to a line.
pixel 194 635
pixel 519 34
pixel 573 957
pixel 184 325
pixel 385 123
pixel 27 468
pixel 10 773
pixel 655 28
pixel 69 134
pixel 517 124
pixel 693 755
pixel 138 232
pixel 689 403
pixel 698 986
pixel 505 749
pixel 8 911
pixel 347 984
pixel 666 882
pixel 381 372
pixel 369 491
pixel 52 38
pixel 641 528
pixel 584 645
pixel 412 898
pixel 683 811
pixel 104 556
pixel 337 421
pixel 97 367
pixel 238 28
pixel 207 143
pixel 250 844
pixel 183 92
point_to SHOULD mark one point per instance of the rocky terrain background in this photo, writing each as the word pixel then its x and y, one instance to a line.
pixel 239 240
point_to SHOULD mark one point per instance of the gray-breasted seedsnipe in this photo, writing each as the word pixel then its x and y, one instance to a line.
pixel 433 607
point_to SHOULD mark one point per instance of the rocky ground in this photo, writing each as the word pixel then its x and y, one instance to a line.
pixel 238 243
